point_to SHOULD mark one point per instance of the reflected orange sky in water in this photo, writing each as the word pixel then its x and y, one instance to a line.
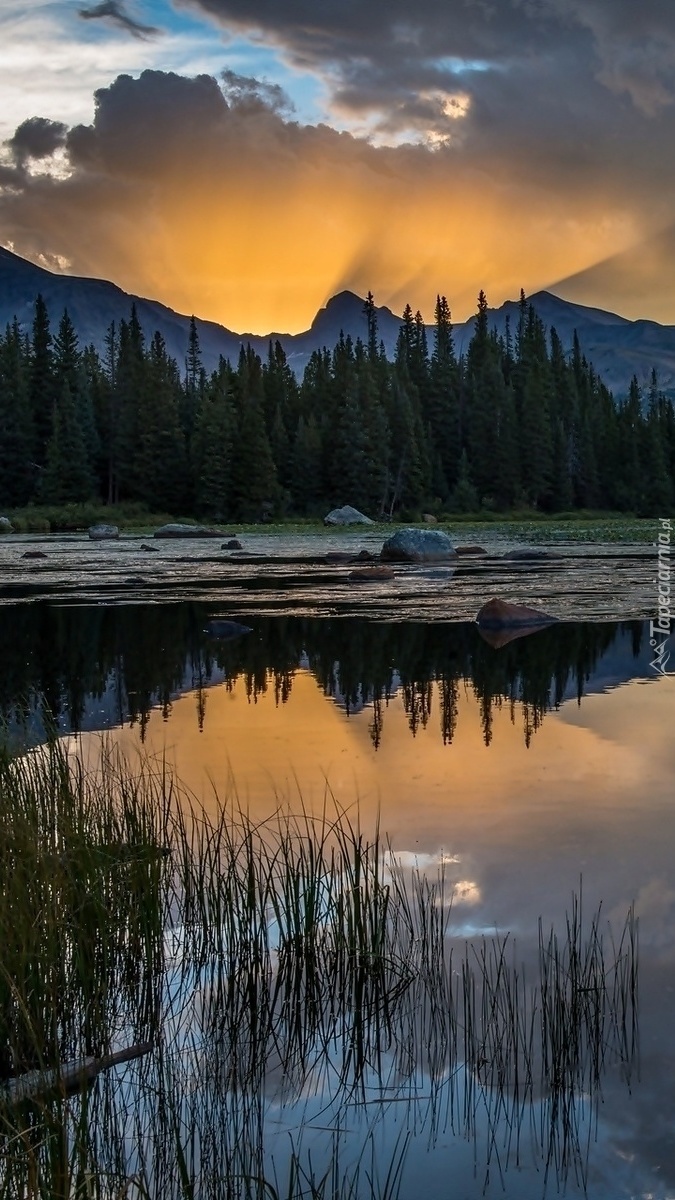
pixel 591 796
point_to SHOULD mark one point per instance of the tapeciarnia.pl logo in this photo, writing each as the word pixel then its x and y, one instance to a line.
pixel 659 630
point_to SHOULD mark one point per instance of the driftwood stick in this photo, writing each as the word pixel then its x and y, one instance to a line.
pixel 68 1078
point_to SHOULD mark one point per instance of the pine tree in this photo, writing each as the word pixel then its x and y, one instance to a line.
pixel 41 384
pixel 442 411
pixel 484 398
pixel 67 478
pixel 160 461
pixel 306 458
pixel 255 489
pixel 16 422
pixel 212 449
pixel 195 382
pixel 128 389
pixel 534 390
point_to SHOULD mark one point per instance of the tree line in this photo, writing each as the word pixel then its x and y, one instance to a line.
pixel 515 422
pixel 140 657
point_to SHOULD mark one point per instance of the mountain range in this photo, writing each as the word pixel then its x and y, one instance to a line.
pixel 617 347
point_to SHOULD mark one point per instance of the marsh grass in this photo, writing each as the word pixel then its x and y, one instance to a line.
pixel 290 974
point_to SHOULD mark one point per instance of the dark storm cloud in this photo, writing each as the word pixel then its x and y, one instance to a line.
pixel 114 11
pixel 205 195
pixel 37 138
pixel 381 52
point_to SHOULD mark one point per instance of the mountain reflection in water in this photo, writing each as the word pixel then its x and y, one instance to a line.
pixel 95 667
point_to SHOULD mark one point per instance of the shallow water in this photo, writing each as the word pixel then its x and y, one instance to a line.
pixel 527 771
pixel 290 574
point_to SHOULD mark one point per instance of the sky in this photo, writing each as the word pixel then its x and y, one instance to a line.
pixel 247 159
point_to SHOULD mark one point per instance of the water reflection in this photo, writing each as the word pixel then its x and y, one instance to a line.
pixel 100 666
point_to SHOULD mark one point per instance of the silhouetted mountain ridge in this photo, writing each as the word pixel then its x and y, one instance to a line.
pixel 617 347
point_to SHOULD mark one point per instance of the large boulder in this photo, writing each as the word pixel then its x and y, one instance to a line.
pixel 503 614
pixel 5 525
pixel 104 533
pixel 346 516
pixel 418 546
pixel 177 530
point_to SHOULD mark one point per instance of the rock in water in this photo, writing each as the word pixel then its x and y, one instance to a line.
pixel 34 554
pixel 149 549
pixel 104 533
pixel 531 555
pixel 418 546
pixel 370 574
pixel 226 629
pixel 502 614
pixel 175 530
pixel 346 516
pixel 6 525
pixel 233 544
pixel 470 551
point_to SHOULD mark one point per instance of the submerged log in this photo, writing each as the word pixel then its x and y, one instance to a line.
pixel 69 1077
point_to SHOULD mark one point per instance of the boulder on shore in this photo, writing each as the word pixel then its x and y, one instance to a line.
pixel 104 533
pixel 177 530
pixel 418 546
pixel 503 614
pixel 429 519
pixel 6 525
pixel 346 516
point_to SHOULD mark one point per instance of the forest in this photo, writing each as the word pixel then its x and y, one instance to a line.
pixel 59 657
pixel 517 422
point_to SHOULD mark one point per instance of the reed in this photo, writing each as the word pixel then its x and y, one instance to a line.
pixel 289 967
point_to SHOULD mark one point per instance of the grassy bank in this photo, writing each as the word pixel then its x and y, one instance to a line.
pixel 262 964
pixel 525 525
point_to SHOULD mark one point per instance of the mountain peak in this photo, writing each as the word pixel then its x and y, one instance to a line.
pixel 617 347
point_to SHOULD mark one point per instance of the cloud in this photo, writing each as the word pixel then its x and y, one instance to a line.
pixel 113 10
pixel 37 138
pixel 392 50
pixel 243 91
pixel 207 196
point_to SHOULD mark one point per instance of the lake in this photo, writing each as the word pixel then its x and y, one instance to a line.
pixel 532 776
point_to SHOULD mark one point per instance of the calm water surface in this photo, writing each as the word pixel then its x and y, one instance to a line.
pixel 524 769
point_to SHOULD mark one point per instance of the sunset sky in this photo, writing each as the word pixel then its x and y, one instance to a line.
pixel 246 159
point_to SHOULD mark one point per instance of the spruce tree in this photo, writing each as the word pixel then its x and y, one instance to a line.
pixel 160 461
pixel 41 383
pixel 67 478
pixel 17 471
pixel 443 397
pixel 255 489
pixel 212 449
